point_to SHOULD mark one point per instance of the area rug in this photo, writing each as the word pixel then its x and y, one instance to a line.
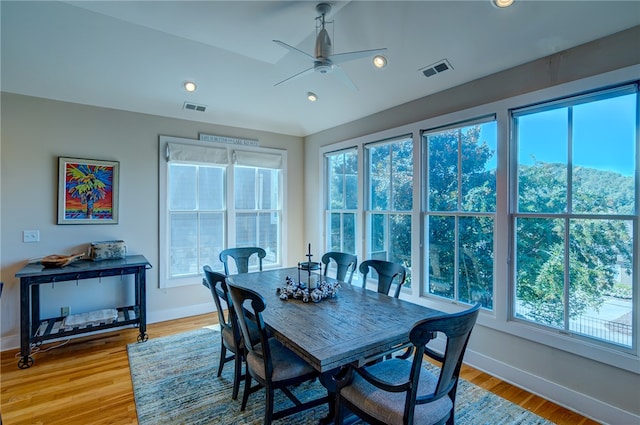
pixel 174 382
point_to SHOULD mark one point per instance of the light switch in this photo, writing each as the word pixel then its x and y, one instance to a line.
pixel 31 236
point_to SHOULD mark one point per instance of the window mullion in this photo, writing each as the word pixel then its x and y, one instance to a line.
pixel 567 223
pixel 390 207
pixel 456 258
pixel 567 275
pixel 570 160
pixel 197 211
pixel 459 135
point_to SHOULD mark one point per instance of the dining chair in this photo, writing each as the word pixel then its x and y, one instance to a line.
pixel 269 362
pixel 387 273
pixel 345 263
pixel 230 335
pixel 406 392
pixel 241 256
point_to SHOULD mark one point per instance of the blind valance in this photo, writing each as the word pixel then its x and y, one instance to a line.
pixel 257 159
pixel 196 153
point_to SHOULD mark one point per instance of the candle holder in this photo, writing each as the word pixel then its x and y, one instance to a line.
pixel 307 269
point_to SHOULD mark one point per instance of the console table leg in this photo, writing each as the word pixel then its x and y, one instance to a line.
pixel 25 362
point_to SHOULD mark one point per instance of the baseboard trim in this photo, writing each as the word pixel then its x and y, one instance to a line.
pixel 581 403
pixel 179 313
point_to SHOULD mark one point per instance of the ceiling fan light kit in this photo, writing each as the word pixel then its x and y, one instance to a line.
pixel 324 60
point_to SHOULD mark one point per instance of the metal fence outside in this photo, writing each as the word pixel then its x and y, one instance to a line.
pixel 606 330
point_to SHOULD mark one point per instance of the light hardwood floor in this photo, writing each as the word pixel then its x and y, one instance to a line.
pixel 87 381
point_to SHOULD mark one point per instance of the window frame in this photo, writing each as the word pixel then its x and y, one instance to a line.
pixel 456 214
pixel 253 154
pixel 328 211
pixel 569 215
pixel 369 210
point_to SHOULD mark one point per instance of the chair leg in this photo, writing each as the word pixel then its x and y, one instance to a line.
pixel 247 390
pixel 237 375
pixel 450 420
pixel 223 356
pixel 268 405
pixel 338 414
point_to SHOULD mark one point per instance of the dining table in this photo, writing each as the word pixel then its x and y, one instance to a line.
pixel 354 327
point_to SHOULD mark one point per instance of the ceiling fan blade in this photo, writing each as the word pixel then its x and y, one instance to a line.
pixel 349 56
pixel 293 77
pixel 342 76
pixel 294 50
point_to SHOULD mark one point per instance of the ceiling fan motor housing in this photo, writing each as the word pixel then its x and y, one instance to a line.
pixel 323 45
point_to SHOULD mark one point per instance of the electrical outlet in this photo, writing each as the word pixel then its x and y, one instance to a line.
pixel 30 236
pixel 64 311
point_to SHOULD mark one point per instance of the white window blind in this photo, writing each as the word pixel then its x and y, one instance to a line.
pixel 257 159
pixel 177 152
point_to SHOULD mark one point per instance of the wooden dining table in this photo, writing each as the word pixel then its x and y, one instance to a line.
pixel 353 327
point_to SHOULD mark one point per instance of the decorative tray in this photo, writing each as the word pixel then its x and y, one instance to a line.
pixel 56 260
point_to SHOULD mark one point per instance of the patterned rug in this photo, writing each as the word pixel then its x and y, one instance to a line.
pixel 174 382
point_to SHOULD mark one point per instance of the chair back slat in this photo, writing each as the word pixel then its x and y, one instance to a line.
pixel 387 272
pixel 241 257
pixel 214 281
pixel 344 263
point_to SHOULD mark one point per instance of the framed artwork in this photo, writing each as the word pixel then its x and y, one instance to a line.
pixel 87 191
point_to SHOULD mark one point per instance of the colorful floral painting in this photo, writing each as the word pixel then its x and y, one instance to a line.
pixel 88 191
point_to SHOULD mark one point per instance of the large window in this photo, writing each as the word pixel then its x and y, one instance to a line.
pixel 258 203
pixel 214 197
pixel 341 171
pixel 196 210
pixel 575 214
pixel 459 188
pixel 389 201
pixel 257 210
pixel 527 205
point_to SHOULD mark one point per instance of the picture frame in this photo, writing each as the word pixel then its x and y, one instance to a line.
pixel 87 191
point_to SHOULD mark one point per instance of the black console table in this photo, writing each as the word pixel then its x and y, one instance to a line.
pixel 34 330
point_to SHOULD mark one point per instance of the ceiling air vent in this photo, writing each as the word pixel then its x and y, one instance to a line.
pixel 194 107
pixel 436 68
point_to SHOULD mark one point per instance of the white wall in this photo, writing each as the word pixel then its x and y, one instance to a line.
pixel 597 390
pixel 34 133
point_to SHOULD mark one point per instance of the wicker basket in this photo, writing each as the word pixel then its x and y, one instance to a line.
pixel 107 250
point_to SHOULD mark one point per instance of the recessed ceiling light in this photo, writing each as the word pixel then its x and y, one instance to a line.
pixel 190 86
pixel 379 61
pixel 312 96
pixel 502 3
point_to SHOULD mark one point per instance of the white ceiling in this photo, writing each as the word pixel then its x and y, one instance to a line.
pixel 135 55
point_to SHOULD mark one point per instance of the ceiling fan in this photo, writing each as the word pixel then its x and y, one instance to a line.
pixel 324 61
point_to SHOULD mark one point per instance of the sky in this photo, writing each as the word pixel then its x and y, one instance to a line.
pixel 603 135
